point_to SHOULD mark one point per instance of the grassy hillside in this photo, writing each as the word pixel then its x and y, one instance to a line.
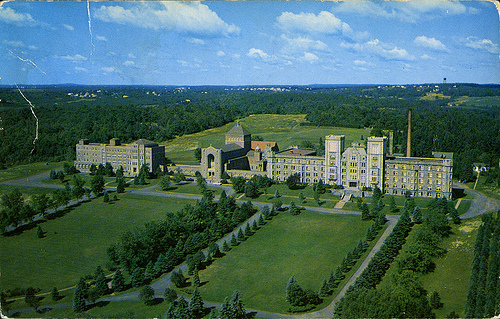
pixel 286 130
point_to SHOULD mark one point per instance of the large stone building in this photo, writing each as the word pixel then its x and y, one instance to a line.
pixel 356 167
pixel 129 156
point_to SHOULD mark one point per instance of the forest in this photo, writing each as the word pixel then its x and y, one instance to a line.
pixel 459 118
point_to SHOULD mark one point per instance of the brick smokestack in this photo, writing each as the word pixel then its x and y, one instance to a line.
pixel 408 142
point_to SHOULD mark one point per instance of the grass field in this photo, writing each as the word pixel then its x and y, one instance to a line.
pixel 450 278
pixel 490 191
pixel 27 170
pixel 283 129
pixel 76 243
pixel 307 246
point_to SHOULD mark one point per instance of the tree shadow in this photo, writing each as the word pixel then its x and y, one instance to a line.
pixel 154 302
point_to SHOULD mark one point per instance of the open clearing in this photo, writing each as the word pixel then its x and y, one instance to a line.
pixel 307 246
pixel 286 130
pixel 75 244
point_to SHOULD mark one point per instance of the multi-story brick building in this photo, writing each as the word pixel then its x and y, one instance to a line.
pixel 129 156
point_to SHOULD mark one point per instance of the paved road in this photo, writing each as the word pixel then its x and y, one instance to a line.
pixel 480 204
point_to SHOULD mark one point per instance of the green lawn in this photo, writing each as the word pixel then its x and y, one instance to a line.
pixel 283 129
pixel 307 246
pixel 450 278
pixel 488 190
pixel 20 171
pixel 76 243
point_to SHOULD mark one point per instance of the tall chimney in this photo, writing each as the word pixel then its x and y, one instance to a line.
pixel 391 142
pixel 408 142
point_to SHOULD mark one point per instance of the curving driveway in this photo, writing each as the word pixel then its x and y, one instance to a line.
pixel 480 204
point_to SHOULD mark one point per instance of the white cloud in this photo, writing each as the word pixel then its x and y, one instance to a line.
pixel 258 53
pixel 221 53
pixel 310 57
pixel 183 63
pixel 481 44
pixel 131 56
pixel 182 17
pixel 408 11
pixel 384 50
pixel 15 44
pixel 128 63
pixel 196 41
pixel 101 38
pixel 109 69
pixel 426 57
pixel 9 15
pixel 76 57
pixel 325 23
pixel 302 44
pixel 77 68
pixel 430 43
pixel 68 27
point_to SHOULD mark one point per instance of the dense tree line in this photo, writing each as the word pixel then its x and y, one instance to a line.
pixel 483 295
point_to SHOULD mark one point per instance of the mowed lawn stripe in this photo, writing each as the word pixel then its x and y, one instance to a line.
pixel 307 246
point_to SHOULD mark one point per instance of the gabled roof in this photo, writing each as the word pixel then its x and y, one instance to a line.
pixel 238 130
pixel 262 145
pixel 144 142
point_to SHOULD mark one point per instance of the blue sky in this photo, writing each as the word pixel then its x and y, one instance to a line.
pixel 249 42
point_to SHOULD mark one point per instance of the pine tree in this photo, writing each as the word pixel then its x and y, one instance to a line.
pixel 234 241
pixel 196 304
pixel 241 237
pixel 196 278
pixel 435 300
pixel 225 246
pixel 294 293
pixel 225 310
pixel 324 289
pixel 54 294
pixel 118 282
pixel 170 295
pixel 120 188
pixel 149 273
pixel 236 306
pixel 146 294
pixel 254 226
pixel 31 300
pixel 101 286
pixel 106 197
pixel 277 194
pixel 265 212
pixel 248 231
pixel 261 220
pixel 294 210
pixel 417 216
pixel 39 232
pixel 392 205
pixel 301 198
pixel 137 278
pixel 79 296
pixel 178 278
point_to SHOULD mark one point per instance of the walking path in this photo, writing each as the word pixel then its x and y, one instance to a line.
pixel 480 204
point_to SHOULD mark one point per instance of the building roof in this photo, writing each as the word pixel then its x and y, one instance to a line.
pixel 445 155
pixel 230 147
pixel 262 145
pixel 238 130
pixel 298 152
pixel 144 142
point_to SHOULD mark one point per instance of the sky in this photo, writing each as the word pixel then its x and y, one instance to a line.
pixel 249 42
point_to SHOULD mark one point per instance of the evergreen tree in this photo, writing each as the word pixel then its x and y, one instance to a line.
pixel 365 212
pixel 213 250
pixel 196 278
pixel 454 216
pixel 435 300
pixel 241 237
pixel 101 286
pixel 196 304
pixel 234 241
pixel 137 278
pixel 225 246
pixel 293 209
pixel 146 294
pixel 54 294
pixel 377 194
pixel 31 300
pixel 266 213
pixel 417 216
pixel 294 293
pixel 277 194
pixel 236 306
pixel 118 282
pixel 120 188
pixel 79 296
pixel 149 272
pixel 261 220
pixel 225 310
pixel 178 279
pixel 301 198
pixel 170 295
pixel 320 187
pixel 248 231
pixel 97 184
pixel 39 232
pixel 392 205
pixel 317 197
pixel 324 289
